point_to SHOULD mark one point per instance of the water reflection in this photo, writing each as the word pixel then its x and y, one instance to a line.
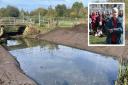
pixel 51 64
pixel 22 43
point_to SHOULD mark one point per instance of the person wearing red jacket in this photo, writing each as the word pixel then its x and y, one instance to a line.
pixel 93 23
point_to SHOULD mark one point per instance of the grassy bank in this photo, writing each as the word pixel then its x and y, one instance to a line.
pixel 60 23
pixel 123 74
pixel 96 40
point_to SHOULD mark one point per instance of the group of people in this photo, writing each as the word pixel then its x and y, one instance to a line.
pixel 108 24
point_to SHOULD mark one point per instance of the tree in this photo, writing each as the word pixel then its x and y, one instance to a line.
pixel 77 5
pixel 73 14
pixel 2 12
pixel 24 13
pixel 51 12
pixel 76 8
pixel 61 10
pixel 67 13
pixel 9 11
pixel 83 13
pixel 42 12
pixel 12 11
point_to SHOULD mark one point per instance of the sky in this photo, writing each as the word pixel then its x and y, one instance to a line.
pixel 30 5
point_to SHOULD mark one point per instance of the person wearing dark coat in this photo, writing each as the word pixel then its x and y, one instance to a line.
pixel 114 28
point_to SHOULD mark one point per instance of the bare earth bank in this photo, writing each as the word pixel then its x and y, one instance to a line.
pixel 10 72
pixel 77 37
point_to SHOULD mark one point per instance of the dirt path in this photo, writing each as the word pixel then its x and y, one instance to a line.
pixel 77 37
pixel 10 73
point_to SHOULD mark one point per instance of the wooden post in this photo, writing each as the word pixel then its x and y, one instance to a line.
pixel 9 20
pixel 23 17
pixel 39 18
pixel 48 23
pixel 14 21
pixel 1 31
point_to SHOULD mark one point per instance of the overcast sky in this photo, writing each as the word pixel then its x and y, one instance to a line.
pixel 30 5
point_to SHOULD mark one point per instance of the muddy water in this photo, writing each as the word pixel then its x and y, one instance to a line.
pixel 51 64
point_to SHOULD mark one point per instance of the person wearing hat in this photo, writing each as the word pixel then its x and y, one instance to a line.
pixel 114 28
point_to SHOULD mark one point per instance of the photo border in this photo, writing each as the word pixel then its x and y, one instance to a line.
pixel 124 28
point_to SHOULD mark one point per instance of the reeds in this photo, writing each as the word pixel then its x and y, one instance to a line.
pixel 122 74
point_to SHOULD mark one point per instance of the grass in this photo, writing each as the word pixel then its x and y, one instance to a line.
pixel 96 40
pixel 66 23
pixel 122 75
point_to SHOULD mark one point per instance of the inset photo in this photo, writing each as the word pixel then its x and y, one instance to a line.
pixel 106 24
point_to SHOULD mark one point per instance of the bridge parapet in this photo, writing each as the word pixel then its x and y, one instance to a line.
pixel 12 21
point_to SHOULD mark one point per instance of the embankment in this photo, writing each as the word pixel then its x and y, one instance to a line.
pixel 10 72
pixel 79 39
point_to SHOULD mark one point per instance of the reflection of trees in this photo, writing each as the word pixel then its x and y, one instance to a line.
pixel 44 45
pixel 35 42
pixel 49 45
pixel 15 47
pixel 30 42
pixel 25 43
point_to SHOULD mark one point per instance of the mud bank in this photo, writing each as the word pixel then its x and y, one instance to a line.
pixel 78 39
pixel 10 72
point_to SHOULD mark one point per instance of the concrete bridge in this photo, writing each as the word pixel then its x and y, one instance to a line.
pixel 10 22
pixel 13 21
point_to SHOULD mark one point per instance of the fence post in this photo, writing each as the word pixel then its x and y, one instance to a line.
pixel 14 21
pixel 48 22
pixel 9 21
pixel 23 17
pixel 39 18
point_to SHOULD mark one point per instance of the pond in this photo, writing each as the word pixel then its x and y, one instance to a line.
pixel 51 64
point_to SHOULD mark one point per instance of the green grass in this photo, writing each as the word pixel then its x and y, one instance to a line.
pixel 96 40
pixel 122 75
pixel 61 23
pixel 66 23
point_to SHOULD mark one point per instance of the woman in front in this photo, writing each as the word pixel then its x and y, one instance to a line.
pixel 114 28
